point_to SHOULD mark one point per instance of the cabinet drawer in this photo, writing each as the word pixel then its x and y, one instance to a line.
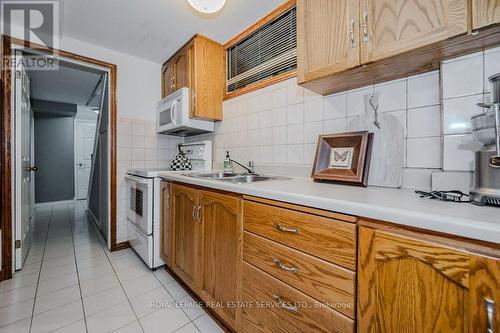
pixel 322 237
pixel 292 310
pixel 328 283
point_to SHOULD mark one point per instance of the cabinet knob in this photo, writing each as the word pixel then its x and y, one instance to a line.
pixel 489 305
pixel 351 33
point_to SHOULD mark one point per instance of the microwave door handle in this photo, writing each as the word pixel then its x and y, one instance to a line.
pixel 172 112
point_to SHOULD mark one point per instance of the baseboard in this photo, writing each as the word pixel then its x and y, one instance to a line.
pixel 52 203
pixel 120 246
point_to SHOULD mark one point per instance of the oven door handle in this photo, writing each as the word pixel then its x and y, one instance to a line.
pixel 138 180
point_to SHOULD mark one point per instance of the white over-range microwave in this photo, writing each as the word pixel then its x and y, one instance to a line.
pixel 173 116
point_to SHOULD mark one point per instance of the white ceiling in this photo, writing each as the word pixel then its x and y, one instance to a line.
pixel 155 29
pixel 70 84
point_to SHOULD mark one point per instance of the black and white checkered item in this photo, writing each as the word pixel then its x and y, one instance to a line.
pixel 181 162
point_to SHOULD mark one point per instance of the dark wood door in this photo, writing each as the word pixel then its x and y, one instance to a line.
pixel 185 231
pixel 221 217
pixel 412 285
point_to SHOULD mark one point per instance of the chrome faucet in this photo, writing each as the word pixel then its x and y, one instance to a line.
pixel 249 169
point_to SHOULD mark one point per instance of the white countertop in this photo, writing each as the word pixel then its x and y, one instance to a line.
pixel 399 206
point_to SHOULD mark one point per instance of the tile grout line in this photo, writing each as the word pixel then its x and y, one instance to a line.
pixel 41 264
pixel 70 221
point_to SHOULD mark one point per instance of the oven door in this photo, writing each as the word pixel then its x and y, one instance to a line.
pixel 139 203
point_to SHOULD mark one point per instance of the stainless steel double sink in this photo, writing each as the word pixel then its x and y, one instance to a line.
pixel 234 177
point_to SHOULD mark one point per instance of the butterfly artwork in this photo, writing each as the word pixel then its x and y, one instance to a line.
pixel 341 158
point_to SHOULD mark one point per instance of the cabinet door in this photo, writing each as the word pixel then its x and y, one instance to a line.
pixel 186 234
pixel 327 37
pixel 192 62
pixel 221 252
pixel 166 224
pixel 391 27
pixel 181 69
pixel 167 79
pixel 409 285
pixel 485 12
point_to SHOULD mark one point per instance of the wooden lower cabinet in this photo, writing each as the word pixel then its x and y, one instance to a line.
pixel 221 220
pixel 412 284
pixel 186 235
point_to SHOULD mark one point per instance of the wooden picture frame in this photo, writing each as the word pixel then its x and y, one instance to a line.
pixel 343 158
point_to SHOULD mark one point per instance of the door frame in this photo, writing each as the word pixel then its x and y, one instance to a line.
pixel 7 149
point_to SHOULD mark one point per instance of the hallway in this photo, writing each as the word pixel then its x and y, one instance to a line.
pixel 72 283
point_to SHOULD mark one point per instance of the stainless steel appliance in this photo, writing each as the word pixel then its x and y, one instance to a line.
pixel 486 127
pixel 143 202
pixel 173 116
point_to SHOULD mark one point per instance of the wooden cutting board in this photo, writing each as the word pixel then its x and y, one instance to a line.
pixel 386 166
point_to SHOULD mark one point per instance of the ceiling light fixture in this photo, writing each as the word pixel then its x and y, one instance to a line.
pixel 207 6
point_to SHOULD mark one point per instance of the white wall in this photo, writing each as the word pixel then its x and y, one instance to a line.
pixel 278 126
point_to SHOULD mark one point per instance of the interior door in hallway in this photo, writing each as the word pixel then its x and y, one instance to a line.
pixel 84 147
pixel 23 163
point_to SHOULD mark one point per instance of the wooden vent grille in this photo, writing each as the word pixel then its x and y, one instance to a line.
pixel 267 52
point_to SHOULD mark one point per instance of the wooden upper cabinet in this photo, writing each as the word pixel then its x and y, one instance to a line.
pixel 167 79
pixel 390 27
pixel 485 12
pixel 199 66
pixel 185 230
pixel 327 37
pixel 180 64
pixel 406 284
pixel 221 217
pixel 166 223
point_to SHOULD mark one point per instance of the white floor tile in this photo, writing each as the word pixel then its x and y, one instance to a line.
pixel 164 277
pixel 133 327
pixel 45 287
pixel 175 289
pixel 189 328
pixel 151 301
pixel 17 295
pixel 164 320
pixel 141 285
pixel 91 287
pixel 103 300
pixel 57 318
pixel 207 325
pixel 18 282
pixel 192 308
pixel 56 299
pixel 78 327
pixel 111 319
pixel 56 272
pixel 22 326
pixel 16 312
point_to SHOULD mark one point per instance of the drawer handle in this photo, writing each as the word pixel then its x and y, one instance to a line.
pixel 490 313
pixel 285 229
pixel 285 268
pixel 284 305
pixel 194 213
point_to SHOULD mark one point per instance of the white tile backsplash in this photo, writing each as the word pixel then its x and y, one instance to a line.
pixel 423 90
pixel 424 153
pixel 278 126
pixel 459 152
pixel 458 111
pixel 424 122
pixel 463 76
pixel 392 95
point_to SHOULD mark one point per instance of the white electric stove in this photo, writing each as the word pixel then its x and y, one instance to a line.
pixel 144 205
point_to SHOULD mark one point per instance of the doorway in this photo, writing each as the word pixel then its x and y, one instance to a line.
pixel 20 171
